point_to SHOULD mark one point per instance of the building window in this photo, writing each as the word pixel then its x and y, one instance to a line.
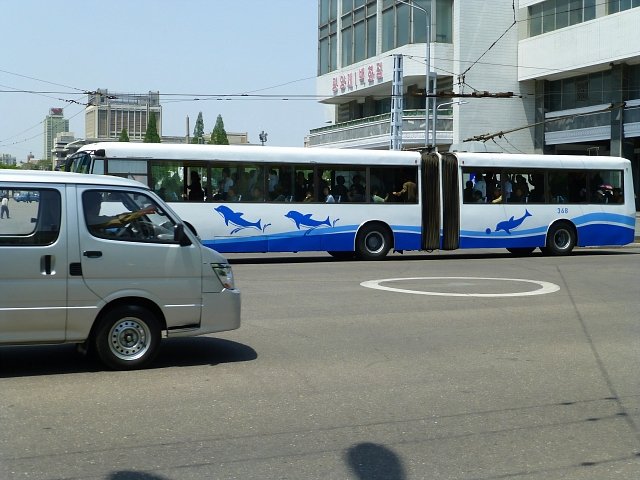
pixel 402 24
pixel 327 36
pixel 583 91
pixel 555 14
pixel 358 31
pixel 615 6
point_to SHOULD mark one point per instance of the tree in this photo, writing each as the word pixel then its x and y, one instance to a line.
pixel 151 135
pixel 219 135
pixel 124 136
pixel 198 130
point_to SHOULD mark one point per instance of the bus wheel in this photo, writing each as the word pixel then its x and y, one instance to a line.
pixel 127 337
pixel 521 251
pixel 341 255
pixel 560 240
pixel 373 242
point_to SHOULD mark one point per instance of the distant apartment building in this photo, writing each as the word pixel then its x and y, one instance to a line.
pixel 6 159
pixel 54 123
pixel 109 112
pixel 573 67
pixel 59 150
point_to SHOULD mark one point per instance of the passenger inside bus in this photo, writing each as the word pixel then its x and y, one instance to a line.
pixel 340 191
pixel 408 193
pixel 196 193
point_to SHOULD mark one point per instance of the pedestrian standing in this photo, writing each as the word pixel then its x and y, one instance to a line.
pixel 4 208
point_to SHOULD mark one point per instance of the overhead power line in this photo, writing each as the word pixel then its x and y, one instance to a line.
pixel 502 133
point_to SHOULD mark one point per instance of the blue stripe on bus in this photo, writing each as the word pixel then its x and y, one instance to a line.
pixel 593 229
pixel 341 238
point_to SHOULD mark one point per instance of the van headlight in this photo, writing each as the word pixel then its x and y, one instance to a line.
pixel 225 274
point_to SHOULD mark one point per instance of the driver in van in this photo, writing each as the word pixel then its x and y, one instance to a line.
pixel 99 223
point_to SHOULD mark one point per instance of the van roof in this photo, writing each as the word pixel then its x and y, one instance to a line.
pixel 40 176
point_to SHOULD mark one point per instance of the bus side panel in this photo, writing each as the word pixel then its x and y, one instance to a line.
pixel 526 225
pixel 605 228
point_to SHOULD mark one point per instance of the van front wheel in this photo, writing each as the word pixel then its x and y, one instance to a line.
pixel 127 338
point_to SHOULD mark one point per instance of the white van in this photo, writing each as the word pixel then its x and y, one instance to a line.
pixel 103 262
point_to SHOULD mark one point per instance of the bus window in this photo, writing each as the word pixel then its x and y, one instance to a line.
pixel 577 186
pixel 537 192
pixel 167 180
pixel 384 181
pixel 132 169
pixel 605 186
pixel 558 186
pixel 346 183
pixel 197 186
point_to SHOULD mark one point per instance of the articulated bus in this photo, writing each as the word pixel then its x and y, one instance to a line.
pixel 364 203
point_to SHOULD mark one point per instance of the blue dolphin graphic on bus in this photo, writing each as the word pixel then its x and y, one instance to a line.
pixel 510 224
pixel 305 220
pixel 235 218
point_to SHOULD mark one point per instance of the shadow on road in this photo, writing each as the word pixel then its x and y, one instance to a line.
pixel 131 475
pixel 270 258
pixel 370 461
pixel 63 359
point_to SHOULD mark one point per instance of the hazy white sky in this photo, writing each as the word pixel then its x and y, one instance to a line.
pixel 182 48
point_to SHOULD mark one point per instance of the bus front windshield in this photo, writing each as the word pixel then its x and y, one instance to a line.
pixel 79 163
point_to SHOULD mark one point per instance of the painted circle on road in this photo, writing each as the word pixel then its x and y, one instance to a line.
pixel 543 287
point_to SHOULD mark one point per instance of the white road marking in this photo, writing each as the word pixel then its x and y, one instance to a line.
pixel 545 287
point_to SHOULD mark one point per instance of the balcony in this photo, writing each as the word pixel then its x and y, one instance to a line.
pixel 375 132
pixel 589 124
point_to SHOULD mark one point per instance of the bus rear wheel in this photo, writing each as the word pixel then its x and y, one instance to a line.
pixel 561 239
pixel 373 242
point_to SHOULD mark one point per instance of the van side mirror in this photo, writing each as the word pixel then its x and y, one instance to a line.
pixel 180 237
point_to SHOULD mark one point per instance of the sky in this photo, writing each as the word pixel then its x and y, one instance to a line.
pixel 51 52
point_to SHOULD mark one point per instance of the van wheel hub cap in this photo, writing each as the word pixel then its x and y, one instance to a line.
pixel 129 339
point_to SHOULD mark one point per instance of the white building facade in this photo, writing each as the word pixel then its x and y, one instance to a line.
pixel 573 67
pixel 584 59
pixel 357 41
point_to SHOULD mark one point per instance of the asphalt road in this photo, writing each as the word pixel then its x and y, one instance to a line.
pixel 327 379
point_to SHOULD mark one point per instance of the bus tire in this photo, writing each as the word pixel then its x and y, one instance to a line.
pixel 373 242
pixel 127 337
pixel 342 255
pixel 561 239
pixel 521 251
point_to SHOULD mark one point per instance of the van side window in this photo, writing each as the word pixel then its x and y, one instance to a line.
pixel 29 217
pixel 126 216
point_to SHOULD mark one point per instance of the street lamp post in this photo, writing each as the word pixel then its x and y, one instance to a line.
pixel 427 99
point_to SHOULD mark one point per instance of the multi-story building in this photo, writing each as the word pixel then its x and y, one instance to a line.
pixel 583 57
pixel 572 66
pixel 54 123
pixel 6 159
pixel 59 150
pixel 358 40
pixel 109 112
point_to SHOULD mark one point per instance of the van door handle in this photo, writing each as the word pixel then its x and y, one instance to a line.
pixel 46 264
pixel 92 253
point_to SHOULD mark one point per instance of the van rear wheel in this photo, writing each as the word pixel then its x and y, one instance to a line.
pixel 127 338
